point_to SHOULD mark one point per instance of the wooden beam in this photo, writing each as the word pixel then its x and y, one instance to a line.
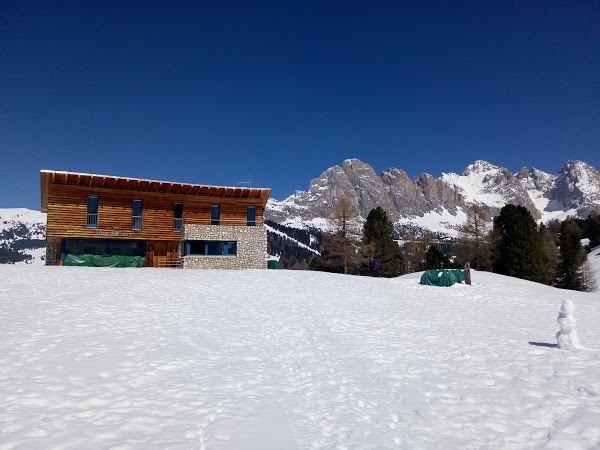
pixel 44 184
pixel 264 196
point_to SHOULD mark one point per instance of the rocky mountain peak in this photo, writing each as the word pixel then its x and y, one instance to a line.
pixel 480 166
pixel 577 187
pixel 534 179
pixel 426 199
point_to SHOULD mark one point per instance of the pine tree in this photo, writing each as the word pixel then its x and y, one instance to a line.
pixel 344 211
pixel 572 256
pixel 474 237
pixel 378 243
pixel 551 252
pixel 331 258
pixel 435 259
pixel 593 230
pixel 519 250
pixel 474 241
pixel 414 251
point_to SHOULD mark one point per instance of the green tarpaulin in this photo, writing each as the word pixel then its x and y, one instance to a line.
pixel 104 261
pixel 442 277
pixel 273 264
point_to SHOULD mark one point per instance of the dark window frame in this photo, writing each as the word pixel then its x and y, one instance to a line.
pixel 92 218
pixel 136 219
pixel 215 219
pixel 251 220
pixel 177 216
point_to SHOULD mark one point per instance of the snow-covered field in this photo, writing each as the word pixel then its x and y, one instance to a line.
pixel 164 358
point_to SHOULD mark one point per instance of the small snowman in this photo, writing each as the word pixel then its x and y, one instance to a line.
pixel 567 336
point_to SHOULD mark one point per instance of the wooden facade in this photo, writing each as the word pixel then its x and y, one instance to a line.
pixel 64 197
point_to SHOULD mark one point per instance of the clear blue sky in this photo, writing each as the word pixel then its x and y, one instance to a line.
pixel 217 92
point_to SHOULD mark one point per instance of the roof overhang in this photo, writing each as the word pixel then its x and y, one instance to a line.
pixel 48 177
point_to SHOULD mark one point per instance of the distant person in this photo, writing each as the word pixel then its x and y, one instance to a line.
pixel 375 267
pixel 371 266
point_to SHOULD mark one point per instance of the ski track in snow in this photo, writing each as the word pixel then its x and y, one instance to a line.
pixel 155 358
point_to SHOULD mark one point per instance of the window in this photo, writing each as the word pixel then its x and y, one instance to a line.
pixel 92 212
pixel 211 248
pixel 177 216
pixel 126 248
pixel 136 214
pixel 251 216
pixel 102 247
pixel 85 247
pixel 215 215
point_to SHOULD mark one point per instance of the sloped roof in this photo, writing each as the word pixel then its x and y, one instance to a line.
pixel 48 177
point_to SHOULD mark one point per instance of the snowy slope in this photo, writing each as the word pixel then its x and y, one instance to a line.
pixel 438 221
pixel 11 216
pixel 594 262
pixel 473 184
pixel 163 358
pixel 298 243
pixel 539 186
pixel 23 230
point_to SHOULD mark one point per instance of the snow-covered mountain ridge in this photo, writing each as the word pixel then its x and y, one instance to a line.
pixel 439 204
pixel 22 236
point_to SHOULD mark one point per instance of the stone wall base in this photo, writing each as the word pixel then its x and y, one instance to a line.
pixel 220 262
pixel 251 247
pixel 52 249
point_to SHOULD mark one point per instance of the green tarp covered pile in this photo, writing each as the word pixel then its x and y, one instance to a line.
pixel 444 277
pixel 273 264
pixel 104 261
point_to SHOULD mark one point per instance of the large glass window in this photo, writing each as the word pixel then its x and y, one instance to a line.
pixel 251 216
pixel 92 212
pixel 127 248
pixel 85 246
pixel 177 216
pixel 215 215
pixel 211 248
pixel 103 247
pixel 136 214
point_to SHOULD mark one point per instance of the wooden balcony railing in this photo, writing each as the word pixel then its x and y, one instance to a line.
pixel 164 261
pixel 177 223
pixel 136 223
pixel 92 221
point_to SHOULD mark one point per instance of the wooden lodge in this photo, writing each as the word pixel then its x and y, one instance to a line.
pixel 105 220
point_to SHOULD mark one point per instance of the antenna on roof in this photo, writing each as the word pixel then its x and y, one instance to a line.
pixel 247 183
